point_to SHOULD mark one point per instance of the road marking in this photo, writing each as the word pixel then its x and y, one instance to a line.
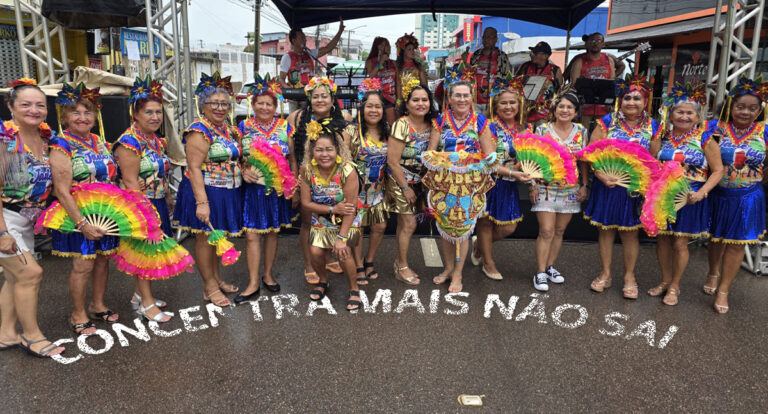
pixel 431 252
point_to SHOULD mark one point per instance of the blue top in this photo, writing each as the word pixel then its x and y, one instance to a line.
pixel 642 134
pixel 454 137
pixel 92 162
pixel 154 165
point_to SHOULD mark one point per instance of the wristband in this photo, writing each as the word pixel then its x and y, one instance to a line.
pixel 342 238
pixel 4 233
pixel 405 187
pixel 330 210
pixel 198 203
pixel 80 224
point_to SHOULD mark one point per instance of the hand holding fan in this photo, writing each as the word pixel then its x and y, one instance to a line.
pixel 631 165
pixel 665 196
pixel 152 260
pixel 273 166
pixel 543 157
pixel 116 211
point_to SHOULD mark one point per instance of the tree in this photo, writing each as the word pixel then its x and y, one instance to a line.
pixel 364 56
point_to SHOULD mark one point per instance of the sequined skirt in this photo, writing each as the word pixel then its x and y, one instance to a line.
pixel 502 203
pixel 325 238
pixel 396 202
pixel 738 214
pixel 612 208
pixel 265 213
pixel 692 220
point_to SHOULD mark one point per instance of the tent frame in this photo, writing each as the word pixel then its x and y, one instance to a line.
pixel 37 44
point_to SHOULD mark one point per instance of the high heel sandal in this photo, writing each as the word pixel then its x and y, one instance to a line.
pixel 160 317
pixel 671 293
pixel 136 302
pixel 629 292
pixel 407 280
pixel 709 290
pixel 362 281
pixel 213 297
pixel 658 290
pixel 599 285
pixel 228 287
pixel 720 308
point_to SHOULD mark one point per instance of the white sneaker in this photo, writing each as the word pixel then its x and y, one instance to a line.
pixel 475 260
pixel 540 282
pixel 554 275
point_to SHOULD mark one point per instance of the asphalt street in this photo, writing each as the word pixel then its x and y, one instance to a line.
pixel 413 349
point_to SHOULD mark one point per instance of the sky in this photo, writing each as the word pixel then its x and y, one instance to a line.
pixel 228 21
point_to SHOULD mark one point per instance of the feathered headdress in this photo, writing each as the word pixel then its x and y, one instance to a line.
pixel 70 95
pixel 746 86
pixel 567 90
pixel 407 83
pixel 144 88
pixel 265 85
pixel 631 83
pixel 320 80
pixel 23 81
pixel 214 81
pixel 507 82
pixel 405 40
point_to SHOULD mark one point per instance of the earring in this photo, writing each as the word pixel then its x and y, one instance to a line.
pixel 338 159
pixel 313 162
pixel 333 108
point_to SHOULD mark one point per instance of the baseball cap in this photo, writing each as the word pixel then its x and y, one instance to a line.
pixel 541 47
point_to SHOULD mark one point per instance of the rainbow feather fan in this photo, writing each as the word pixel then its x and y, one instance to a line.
pixel 224 247
pixel 543 157
pixel 152 260
pixel 665 196
pixel 273 167
pixel 116 211
pixel 629 163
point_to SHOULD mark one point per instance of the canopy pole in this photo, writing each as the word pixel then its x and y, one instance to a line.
pixel 567 47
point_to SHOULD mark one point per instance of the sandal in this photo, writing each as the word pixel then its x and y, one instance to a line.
pixel 440 279
pixel 658 290
pixel 351 302
pixel 80 328
pixel 630 292
pixel 373 274
pixel 136 301
pixel 334 267
pixel 408 280
pixel 361 280
pixel 709 290
pixel 673 295
pixel 228 287
pixel 721 309
pixel 312 278
pixel 319 293
pixel 599 285
pixel 453 285
pixel 159 317
pixel 45 352
pixel 5 347
pixel 104 316
pixel 217 298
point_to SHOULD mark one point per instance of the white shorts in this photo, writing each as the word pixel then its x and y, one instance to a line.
pixel 21 229
pixel 557 200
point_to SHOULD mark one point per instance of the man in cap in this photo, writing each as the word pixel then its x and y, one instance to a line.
pixel 539 65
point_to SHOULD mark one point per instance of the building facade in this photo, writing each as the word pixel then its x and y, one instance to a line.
pixel 436 33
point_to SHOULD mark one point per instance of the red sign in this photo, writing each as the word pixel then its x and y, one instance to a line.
pixel 94 63
pixel 469 31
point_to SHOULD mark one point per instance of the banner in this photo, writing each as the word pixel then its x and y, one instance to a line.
pixel 140 37
pixel 469 32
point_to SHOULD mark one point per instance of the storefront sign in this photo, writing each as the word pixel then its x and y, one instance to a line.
pixel 691 66
pixel 140 37
pixel 469 31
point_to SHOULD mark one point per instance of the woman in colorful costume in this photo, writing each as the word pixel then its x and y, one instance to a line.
pixel 459 128
pixel 404 191
pixel 408 64
pixel 555 203
pixel 369 151
pixel 610 206
pixel 82 157
pixel 209 196
pixel 144 167
pixel 265 211
pixel 26 185
pixel 321 106
pixel 503 210
pixel 329 191
pixel 737 203
pixel 685 142
pixel 380 66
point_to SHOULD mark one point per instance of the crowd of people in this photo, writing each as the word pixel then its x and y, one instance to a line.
pixel 358 174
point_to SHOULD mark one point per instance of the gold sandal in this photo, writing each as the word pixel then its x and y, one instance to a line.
pixel 407 280
pixel 671 293
pixel 658 290
pixel 709 290
pixel 630 292
pixel 217 298
pixel 599 285
pixel 720 308
pixel 228 287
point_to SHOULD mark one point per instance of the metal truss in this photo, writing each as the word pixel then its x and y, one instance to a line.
pixel 728 43
pixel 37 44
pixel 174 71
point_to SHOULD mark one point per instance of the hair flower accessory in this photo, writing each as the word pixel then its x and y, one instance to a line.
pixel 313 130
pixel 214 81
pixel 407 84
pixel 405 40
pixel 23 81
pixel 368 85
pixel 317 81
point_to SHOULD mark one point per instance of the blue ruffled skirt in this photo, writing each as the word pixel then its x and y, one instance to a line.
pixel 76 245
pixel 612 208
pixel 692 220
pixel 165 215
pixel 738 214
pixel 265 213
pixel 503 203
pixel 226 205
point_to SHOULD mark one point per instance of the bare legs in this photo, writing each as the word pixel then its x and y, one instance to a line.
pixel 82 270
pixel 406 225
pixel 550 239
pixel 489 232
pixel 453 268
pixel 631 249
pixel 672 253
pixel 319 261
pixel 732 258
pixel 208 264
pixel 374 241
pixel 253 247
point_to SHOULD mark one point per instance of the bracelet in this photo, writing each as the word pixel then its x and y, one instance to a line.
pixel 330 210
pixel 4 233
pixel 342 238
pixel 197 203
pixel 80 224
pixel 405 187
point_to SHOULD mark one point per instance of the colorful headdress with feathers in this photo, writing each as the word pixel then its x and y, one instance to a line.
pixel 144 88
pixel 23 81
pixel 320 80
pixel 683 93
pixel 407 83
pixel 460 72
pixel 214 81
pixel 368 85
pixel 405 40
pixel 507 82
pixel 746 86
pixel 70 95
pixel 267 84
pixel 638 83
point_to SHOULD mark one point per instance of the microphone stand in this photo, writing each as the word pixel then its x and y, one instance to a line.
pixel 318 62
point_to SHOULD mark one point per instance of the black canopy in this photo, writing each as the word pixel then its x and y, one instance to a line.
pixel 89 14
pixel 563 14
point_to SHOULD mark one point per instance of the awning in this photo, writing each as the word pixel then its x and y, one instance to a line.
pixel 563 14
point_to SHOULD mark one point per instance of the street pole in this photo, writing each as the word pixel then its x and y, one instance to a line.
pixel 349 34
pixel 257 38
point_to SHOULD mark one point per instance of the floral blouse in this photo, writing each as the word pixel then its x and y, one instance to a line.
pixel 743 155
pixel 221 167
pixel 154 165
pixel 92 161
pixel 31 187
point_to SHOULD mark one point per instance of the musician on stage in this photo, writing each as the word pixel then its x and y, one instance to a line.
pixel 539 65
pixel 489 62
pixel 594 64
pixel 297 66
